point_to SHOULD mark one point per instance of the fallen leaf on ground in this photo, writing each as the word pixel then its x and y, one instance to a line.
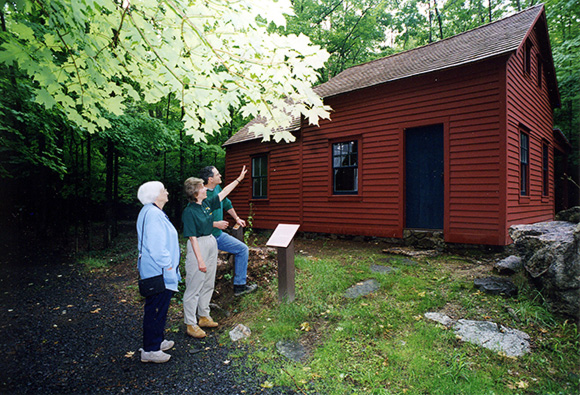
pixel 522 384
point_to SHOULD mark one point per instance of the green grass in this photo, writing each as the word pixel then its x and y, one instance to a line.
pixel 103 260
pixel 381 343
pixel 93 263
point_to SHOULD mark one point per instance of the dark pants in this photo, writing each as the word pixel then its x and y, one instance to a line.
pixel 156 307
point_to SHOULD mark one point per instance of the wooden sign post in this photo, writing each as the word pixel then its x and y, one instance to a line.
pixel 283 239
pixel 238 232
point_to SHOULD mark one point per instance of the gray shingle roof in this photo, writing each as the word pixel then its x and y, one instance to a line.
pixel 491 40
pixel 494 39
pixel 245 135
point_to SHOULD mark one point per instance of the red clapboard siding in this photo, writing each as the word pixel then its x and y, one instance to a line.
pixel 482 107
pixel 528 107
pixel 466 101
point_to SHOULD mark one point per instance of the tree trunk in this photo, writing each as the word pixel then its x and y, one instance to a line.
pixel 430 24
pixel 164 165
pixel 231 128
pixel 439 21
pixel 481 11
pixel 168 105
pixel 88 200
pixel 182 149
pixel 109 214
pixel 43 204
pixel 115 230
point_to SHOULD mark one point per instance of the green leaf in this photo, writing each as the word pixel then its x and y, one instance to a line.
pixel 23 31
pixel 211 57
pixel 51 40
pixel 45 98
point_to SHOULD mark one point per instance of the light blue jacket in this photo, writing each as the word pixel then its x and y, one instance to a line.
pixel 160 251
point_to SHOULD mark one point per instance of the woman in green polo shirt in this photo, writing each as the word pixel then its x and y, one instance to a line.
pixel 201 258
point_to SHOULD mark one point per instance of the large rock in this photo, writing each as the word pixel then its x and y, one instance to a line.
pixel 240 332
pixel 488 334
pixel 496 286
pixel 570 215
pixel 362 289
pixel 440 318
pixel 292 350
pixel 509 265
pixel 551 255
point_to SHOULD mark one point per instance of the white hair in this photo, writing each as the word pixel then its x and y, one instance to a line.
pixel 149 192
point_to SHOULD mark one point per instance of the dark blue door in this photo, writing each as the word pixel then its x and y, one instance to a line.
pixel 424 177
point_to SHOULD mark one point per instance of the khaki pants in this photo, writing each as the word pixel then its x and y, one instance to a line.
pixel 198 285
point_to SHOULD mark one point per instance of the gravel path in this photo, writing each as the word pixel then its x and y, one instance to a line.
pixel 63 332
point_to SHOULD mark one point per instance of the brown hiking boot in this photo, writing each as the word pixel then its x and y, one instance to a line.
pixel 207 322
pixel 195 331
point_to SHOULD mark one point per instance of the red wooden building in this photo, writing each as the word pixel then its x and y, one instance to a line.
pixel 455 136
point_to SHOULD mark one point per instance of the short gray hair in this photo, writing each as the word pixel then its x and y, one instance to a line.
pixel 149 192
pixel 191 187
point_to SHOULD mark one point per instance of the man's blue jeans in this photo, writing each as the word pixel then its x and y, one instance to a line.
pixel 230 244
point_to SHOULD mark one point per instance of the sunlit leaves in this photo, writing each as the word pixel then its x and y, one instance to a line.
pixel 352 31
pixel 211 55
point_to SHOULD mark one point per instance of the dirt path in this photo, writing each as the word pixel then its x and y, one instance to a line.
pixel 66 332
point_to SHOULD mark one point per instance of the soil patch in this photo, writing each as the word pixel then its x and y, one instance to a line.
pixel 66 330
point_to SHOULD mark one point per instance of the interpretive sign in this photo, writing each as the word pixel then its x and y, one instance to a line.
pixel 283 235
pixel 283 239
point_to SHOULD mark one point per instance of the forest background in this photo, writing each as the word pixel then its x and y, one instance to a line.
pixel 56 175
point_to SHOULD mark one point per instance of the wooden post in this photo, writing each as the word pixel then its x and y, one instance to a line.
pixel 238 232
pixel 286 273
pixel 283 239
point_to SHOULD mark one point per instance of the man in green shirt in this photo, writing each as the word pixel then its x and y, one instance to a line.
pixel 225 242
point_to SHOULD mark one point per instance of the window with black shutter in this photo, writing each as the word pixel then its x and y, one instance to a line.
pixel 260 177
pixel 524 164
pixel 345 167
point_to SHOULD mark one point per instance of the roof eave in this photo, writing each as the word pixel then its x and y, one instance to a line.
pixel 227 143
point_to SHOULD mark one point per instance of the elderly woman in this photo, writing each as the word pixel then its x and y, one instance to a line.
pixel 159 254
pixel 201 258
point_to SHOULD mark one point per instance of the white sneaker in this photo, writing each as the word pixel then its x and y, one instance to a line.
pixel 154 356
pixel 167 345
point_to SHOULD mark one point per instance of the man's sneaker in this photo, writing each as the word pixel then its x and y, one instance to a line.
pixel 154 356
pixel 244 289
pixel 167 345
